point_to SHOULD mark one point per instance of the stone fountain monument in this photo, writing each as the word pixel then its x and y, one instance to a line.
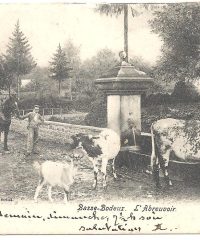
pixel 123 85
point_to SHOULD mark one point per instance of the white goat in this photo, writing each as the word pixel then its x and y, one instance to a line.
pixel 55 174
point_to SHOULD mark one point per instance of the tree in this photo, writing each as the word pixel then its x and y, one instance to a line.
pixel 140 64
pixel 179 27
pixel 18 56
pixel 94 68
pixel 41 83
pixel 59 67
pixel 3 78
pixel 6 76
pixel 73 55
pixel 98 65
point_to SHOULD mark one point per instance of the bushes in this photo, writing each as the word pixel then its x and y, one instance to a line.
pixel 81 103
pixel 48 101
pixel 185 91
pixel 156 99
pixel 98 112
pixel 55 102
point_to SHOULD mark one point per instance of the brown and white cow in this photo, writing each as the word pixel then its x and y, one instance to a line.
pixel 172 136
pixel 99 149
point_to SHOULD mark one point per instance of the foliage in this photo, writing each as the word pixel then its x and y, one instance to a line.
pixel 95 67
pixel 73 55
pixel 92 69
pixel 45 101
pixel 185 91
pixel 98 114
pixel 141 65
pixel 116 9
pixel 110 9
pixel 85 91
pixel 179 27
pixel 18 55
pixel 59 67
pixel 6 76
pixel 41 84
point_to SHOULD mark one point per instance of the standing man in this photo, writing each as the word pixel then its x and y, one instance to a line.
pixel 131 136
pixel 34 121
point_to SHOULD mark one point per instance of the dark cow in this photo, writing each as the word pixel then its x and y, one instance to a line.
pixel 100 149
pixel 171 136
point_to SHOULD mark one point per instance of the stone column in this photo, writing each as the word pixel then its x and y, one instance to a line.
pixel 113 112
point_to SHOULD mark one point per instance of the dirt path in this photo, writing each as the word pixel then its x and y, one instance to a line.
pixel 18 178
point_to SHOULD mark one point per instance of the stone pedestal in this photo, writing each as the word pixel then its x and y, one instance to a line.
pixel 123 86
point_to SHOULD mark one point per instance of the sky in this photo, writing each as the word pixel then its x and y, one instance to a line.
pixel 47 24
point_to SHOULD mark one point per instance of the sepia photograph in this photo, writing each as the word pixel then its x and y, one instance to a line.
pixel 99 118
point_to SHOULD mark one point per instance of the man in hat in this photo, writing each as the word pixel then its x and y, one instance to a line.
pixel 131 136
pixel 34 121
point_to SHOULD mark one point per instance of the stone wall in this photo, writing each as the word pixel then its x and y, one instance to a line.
pixel 55 131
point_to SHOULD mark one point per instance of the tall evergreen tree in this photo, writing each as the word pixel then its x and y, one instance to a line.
pixel 59 67
pixel 18 56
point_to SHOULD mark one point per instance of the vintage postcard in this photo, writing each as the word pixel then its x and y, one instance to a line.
pixel 100 118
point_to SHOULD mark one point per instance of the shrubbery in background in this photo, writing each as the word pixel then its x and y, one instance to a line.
pixel 47 101
pixel 98 114
pixel 184 92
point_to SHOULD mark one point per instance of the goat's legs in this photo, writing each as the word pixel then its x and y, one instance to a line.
pixel 103 170
pixel 95 168
pixel 113 169
pixel 164 166
pixel 66 194
pixel 49 193
pixel 156 177
pixel 95 180
pixel 38 189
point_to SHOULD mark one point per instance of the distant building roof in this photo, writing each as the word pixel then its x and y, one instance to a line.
pixel 25 82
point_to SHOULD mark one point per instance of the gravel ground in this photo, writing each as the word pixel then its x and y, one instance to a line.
pixel 18 178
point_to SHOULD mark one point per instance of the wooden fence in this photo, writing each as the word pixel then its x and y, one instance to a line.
pixel 47 111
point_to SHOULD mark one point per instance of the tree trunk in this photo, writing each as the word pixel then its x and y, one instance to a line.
pixel 59 87
pixel 70 88
pixel 18 87
pixel 126 31
pixel 9 90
